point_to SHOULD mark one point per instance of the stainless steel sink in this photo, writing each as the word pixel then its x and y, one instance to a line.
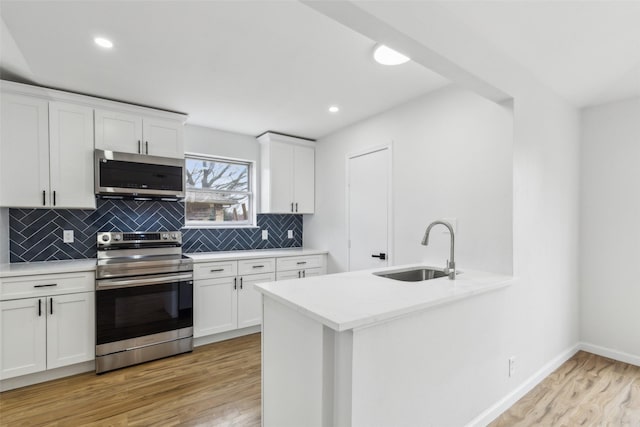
pixel 413 274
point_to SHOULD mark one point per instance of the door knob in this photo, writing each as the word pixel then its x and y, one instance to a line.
pixel 381 255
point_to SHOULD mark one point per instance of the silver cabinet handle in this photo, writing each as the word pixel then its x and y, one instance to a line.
pixel 304 273
pixel 39 307
pixel 301 262
pixel 45 286
pixel 217 270
pixel 139 147
pixel 258 266
pixel 296 206
pixel 44 198
pixel 146 147
pixel 241 283
pixel 235 283
pixel 291 206
pixel 50 305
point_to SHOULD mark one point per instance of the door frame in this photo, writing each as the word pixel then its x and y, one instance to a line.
pixel 360 153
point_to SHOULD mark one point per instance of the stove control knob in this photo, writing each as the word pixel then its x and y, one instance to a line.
pixel 117 237
pixel 105 237
pixel 165 236
pixel 174 236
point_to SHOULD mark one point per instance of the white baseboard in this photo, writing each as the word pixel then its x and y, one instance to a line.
pixel 210 339
pixel 506 402
pixel 620 356
pixel 52 374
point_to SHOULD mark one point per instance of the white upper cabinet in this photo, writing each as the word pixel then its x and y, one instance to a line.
pixel 163 138
pixel 117 131
pixel 24 151
pixel 71 156
pixel 130 133
pixel 46 154
pixel 288 174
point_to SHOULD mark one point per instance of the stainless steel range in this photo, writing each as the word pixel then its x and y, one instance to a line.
pixel 144 298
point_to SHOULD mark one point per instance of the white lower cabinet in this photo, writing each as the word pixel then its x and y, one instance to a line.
pixel 49 330
pixel 250 300
pixel 224 294
pixel 300 267
pixel 215 306
pixel 222 304
pixel 46 333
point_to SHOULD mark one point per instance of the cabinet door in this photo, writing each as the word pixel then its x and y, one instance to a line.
pixel 71 156
pixel 286 275
pixel 24 152
pixel 281 178
pixel 250 300
pixel 310 272
pixel 163 138
pixel 304 179
pixel 118 131
pixel 70 329
pixel 215 304
pixel 23 337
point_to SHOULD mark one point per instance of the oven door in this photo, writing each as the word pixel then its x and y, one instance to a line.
pixel 130 308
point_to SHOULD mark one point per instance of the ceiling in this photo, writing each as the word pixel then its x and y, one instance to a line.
pixel 245 67
pixel 252 66
pixel 586 51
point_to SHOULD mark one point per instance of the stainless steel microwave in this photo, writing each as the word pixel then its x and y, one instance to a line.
pixel 126 175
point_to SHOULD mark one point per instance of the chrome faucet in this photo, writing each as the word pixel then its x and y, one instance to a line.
pixel 451 263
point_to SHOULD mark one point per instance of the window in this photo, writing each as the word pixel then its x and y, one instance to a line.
pixel 219 192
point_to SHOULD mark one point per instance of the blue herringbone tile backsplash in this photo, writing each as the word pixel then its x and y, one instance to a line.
pixel 36 234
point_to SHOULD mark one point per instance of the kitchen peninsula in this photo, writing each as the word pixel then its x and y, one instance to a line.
pixel 342 349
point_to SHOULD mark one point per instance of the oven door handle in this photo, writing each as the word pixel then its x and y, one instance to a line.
pixel 140 281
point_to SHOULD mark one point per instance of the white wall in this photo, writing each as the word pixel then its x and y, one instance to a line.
pixel 610 227
pixel 452 158
pixel 202 140
pixel 542 308
pixel 214 142
pixel 4 235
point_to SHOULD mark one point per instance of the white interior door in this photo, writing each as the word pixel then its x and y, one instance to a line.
pixel 369 203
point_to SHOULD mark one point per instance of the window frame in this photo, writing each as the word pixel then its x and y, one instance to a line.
pixel 251 222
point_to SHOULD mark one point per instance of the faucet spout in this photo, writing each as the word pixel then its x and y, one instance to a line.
pixel 451 263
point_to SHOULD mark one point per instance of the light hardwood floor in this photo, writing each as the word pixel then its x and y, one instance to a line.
pixel 587 390
pixel 219 385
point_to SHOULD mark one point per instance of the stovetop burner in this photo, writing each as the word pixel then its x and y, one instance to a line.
pixel 122 254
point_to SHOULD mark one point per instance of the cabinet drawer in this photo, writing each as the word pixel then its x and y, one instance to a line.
pixel 212 270
pixel 300 262
pixel 255 266
pixel 46 284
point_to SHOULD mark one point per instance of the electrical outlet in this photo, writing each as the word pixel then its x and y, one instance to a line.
pixel 67 236
pixel 265 234
pixel 289 234
pixel 512 366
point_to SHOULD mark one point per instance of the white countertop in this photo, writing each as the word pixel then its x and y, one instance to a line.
pixel 260 253
pixel 47 267
pixel 352 300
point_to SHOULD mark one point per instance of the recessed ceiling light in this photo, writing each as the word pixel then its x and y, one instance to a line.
pixel 334 109
pixel 386 56
pixel 102 42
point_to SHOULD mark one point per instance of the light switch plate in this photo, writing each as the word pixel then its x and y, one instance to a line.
pixel 290 234
pixel 265 234
pixel 67 236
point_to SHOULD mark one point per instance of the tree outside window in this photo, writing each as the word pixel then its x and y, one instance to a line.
pixel 218 192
